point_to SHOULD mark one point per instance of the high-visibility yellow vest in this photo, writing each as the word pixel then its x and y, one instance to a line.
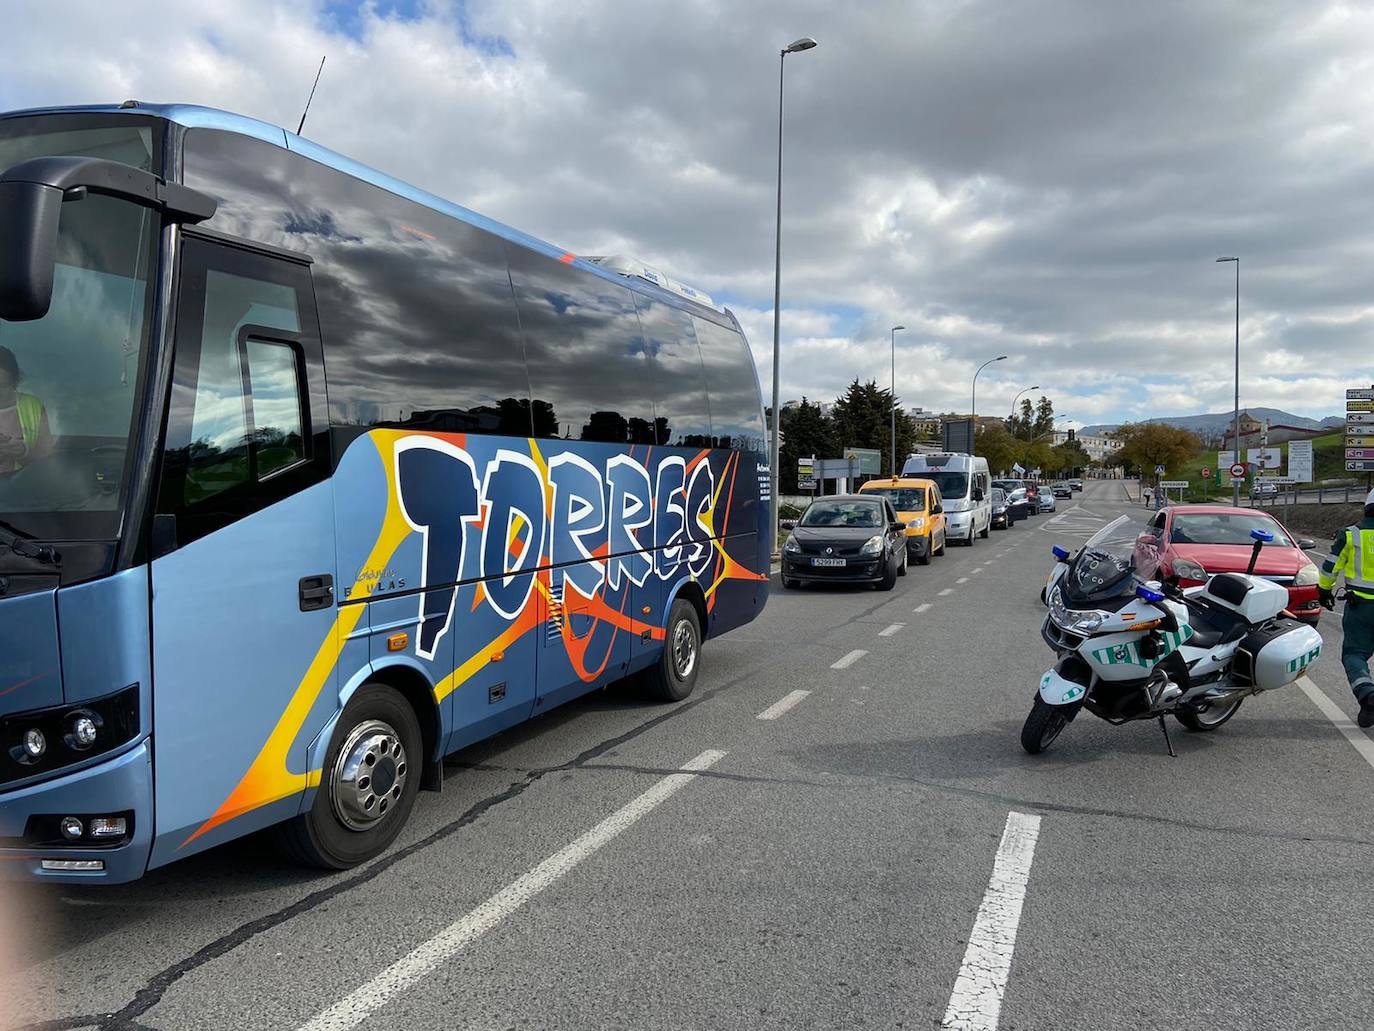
pixel 30 417
pixel 1354 560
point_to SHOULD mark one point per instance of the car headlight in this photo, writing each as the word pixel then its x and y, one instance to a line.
pixel 1306 577
pixel 919 523
pixel 792 547
pixel 1187 569
pixel 873 546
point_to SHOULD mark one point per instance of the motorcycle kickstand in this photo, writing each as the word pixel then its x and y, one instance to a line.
pixel 1167 743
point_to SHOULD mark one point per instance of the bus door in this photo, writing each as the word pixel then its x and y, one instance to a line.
pixel 244 609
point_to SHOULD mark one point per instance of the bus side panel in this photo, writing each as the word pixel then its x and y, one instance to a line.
pixel 539 569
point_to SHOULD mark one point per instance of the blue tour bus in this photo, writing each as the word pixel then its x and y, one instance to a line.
pixel 309 478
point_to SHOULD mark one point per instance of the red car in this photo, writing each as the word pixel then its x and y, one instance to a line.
pixel 1198 540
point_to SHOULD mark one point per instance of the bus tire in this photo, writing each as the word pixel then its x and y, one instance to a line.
pixel 674 675
pixel 368 785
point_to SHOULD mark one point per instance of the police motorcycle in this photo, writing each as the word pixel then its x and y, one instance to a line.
pixel 1132 647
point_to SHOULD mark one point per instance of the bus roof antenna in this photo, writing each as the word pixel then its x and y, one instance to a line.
pixel 311 97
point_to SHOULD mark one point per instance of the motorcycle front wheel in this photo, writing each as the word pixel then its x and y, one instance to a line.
pixel 1208 718
pixel 1043 725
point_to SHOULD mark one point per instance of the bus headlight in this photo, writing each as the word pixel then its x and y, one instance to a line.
pixel 46 740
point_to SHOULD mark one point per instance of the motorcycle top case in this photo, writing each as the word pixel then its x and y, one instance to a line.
pixel 1276 654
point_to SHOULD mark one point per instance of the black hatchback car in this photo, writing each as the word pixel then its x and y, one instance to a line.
pixel 846 538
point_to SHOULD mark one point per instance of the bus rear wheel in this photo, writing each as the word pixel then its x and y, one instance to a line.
pixel 674 675
pixel 367 787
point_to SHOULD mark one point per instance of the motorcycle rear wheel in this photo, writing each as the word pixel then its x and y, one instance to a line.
pixel 1209 718
pixel 1043 725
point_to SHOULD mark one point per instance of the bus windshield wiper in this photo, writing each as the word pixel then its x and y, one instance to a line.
pixel 25 546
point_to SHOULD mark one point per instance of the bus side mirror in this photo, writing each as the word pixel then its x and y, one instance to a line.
pixel 28 248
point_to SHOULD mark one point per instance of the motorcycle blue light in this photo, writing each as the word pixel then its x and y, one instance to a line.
pixel 1062 554
pixel 1146 594
pixel 1261 535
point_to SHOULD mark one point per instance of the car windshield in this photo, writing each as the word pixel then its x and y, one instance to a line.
pixel 904 499
pixel 1224 528
pixel 951 484
pixel 68 381
pixel 1008 485
pixel 865 514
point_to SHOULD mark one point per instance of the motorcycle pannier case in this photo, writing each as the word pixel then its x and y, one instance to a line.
pixel 1276 654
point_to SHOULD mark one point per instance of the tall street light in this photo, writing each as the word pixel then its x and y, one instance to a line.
pixel 1235 429
pixel 1018 398
pixel 973 402
pixel 796 46
pixel 894 398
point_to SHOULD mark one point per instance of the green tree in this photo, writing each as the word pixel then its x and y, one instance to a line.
pixel 807 433
pixel 862 418
pixel 999 447
pixel 1148 444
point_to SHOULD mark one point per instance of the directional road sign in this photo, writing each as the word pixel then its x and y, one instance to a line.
pixel 1359 417
pixel 1359 452
pixel 1173 484
pixel 1279 479
pixel 1359 465
pixel 1359 393
pixel 1359 406
pixel 1355 440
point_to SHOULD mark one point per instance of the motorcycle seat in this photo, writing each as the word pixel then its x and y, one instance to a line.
pixel 1214 625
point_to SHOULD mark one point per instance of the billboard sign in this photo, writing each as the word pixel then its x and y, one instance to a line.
pixel 1300 460
pixel 958 436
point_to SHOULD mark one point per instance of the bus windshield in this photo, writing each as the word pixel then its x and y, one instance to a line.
pixel 68 381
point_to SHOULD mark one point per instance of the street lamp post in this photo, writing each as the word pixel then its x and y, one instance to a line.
pixel 894 398
pixel 805 43
pixel 1235 429
pixel 973 401
pixel 1018 398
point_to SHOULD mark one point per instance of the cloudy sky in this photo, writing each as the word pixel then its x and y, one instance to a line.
pixel 1050 180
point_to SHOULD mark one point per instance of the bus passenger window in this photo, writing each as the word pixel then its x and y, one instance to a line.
pixel 278 429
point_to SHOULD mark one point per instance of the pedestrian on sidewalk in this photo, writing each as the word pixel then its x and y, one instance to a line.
pixel 1352 556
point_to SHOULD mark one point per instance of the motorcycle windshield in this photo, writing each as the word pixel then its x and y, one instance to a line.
pixel 1120 555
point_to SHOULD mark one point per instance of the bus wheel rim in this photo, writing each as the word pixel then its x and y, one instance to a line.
pixel 684 649
pixel 369 776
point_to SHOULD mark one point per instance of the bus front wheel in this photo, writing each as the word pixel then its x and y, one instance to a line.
pixel 367 787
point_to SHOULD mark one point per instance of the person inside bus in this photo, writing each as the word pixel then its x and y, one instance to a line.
pixel 24 432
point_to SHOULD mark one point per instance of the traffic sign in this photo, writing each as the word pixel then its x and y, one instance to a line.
pixel 1359 393
pixel 1357 465
pixel 1359 452
pixel 1359 441
pixel 1278 479
pixel 1359 406
pixel 1206 473
pixel 1238 471
pixel 1359 417
pixel 1159 469
pixel 1173 484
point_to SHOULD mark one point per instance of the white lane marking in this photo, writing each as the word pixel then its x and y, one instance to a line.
pixel 849 660
pixel 921 607
pixel 367 999
pixel 975 571
pixel 976 1002
pixel 1358 738
pixel 779 707
pixel 947 590
pixel 962 580
pixel 889 631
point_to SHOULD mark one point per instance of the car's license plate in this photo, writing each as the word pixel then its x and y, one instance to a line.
pixel 827 561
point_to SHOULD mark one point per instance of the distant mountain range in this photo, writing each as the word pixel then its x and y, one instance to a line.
pixel 1221 422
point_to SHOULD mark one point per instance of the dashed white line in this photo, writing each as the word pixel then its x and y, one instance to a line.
pixel 788 701
pixel 921 607
pixel 1357 737
pixel 364 1001
pixel 849 660
pixel 947 590
pixel 976 570
pixel 976 1002
pixel 962 580
pixel 889 631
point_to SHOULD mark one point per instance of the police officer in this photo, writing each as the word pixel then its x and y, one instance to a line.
pixel 1352 556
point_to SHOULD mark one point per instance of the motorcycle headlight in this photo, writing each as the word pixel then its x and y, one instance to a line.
pixel 1306 577
pixel 873 546
pixel 1187 569
pixel 792 547
pixel 1085 622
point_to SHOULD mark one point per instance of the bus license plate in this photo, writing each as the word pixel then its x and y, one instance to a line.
pixel 827 561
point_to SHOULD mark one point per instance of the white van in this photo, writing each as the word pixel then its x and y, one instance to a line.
pixel 966 486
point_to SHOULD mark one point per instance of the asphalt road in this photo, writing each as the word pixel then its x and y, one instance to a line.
pixel 879 852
